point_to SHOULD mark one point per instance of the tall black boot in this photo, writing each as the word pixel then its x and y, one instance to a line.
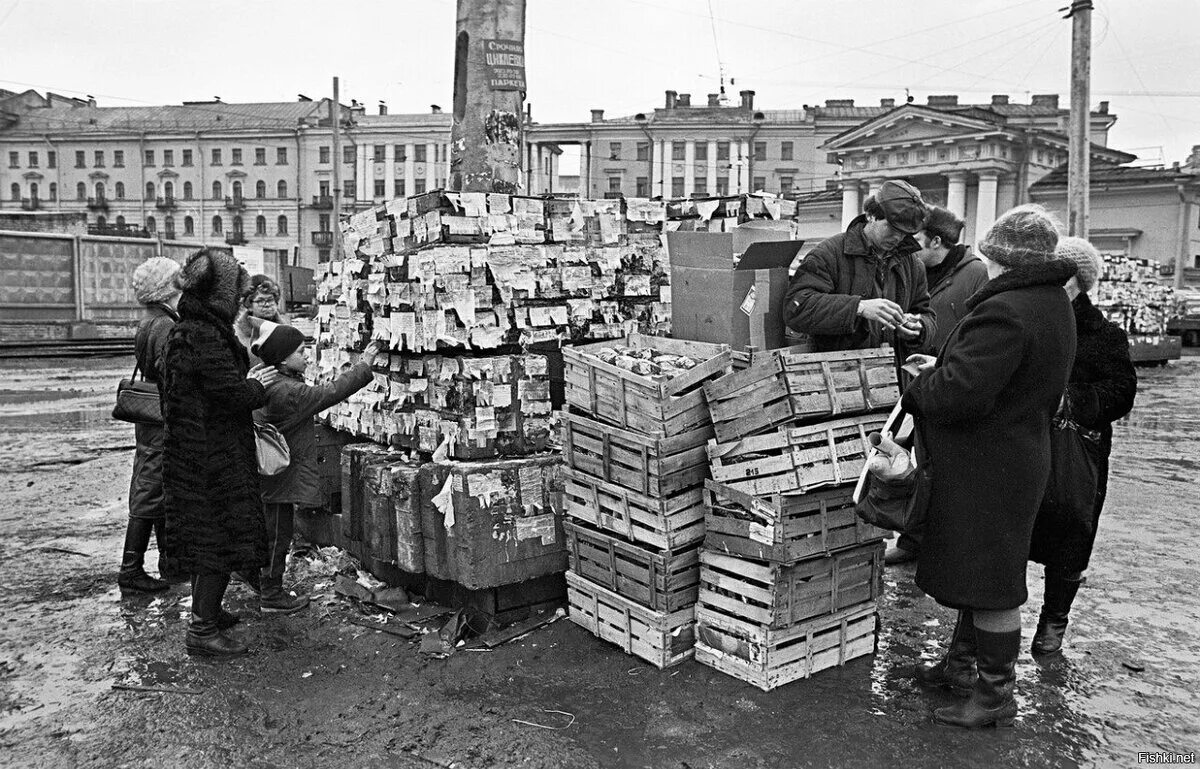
pixel 132 578
pixel 1061 588
pixel 166 565
pixel 992 702
pixel 204 636
pixel 957 671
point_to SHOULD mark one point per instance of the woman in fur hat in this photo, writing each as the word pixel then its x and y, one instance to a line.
pixel 210 468
pixel 153 286
pixel 263 301
pixel 1102 387
pixel 984 407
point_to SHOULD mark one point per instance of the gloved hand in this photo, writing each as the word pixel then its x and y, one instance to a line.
pixel 890 461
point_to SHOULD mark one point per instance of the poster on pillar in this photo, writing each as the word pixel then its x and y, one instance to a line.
pixel 505 61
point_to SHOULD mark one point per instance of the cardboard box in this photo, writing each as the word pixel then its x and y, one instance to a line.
pixel 715 301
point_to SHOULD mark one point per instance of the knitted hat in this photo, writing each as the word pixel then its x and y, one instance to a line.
pixel 1087 260
pixel 902 205
pixel 275 342
pixel 1021 236
pixel 154 280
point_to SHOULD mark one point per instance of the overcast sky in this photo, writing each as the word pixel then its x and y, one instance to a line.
pixel 620 55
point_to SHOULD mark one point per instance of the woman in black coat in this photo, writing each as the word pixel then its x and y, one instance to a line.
pixel 984 408
pixel 1101 390
pixel 210 469
pixel 154 287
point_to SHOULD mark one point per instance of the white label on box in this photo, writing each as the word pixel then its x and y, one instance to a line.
pixel 748 303
pixel 763 534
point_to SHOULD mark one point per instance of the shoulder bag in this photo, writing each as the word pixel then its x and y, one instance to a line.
pixel 137 400
pixel 1070 497
pixel 274 456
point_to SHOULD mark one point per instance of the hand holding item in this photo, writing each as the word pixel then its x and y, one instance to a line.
pixel 371 352
pixel 882 311
pixel 265 374
pixel 910 327
pixel 917 364
pixel 890 461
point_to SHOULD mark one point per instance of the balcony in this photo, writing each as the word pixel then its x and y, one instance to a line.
pixel 322 239
pixel 169 235
pixel 610 195
pixel 31 204
pixel 97 204
pixel 235 203
pixel 235 238
pixel 166 203
pixel 118 231
pixel 323 202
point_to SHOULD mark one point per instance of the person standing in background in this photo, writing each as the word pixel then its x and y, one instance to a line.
pixel 263 301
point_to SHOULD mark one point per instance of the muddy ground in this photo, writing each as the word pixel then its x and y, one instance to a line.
pixel 320 691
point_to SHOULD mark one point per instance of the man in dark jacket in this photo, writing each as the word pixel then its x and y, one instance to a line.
pixel 865 287
pixel 953 275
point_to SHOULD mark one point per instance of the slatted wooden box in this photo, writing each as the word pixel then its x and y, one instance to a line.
pixel 771 658
pixel 795 459
pixel 783 527
pixel 663 580
pixel 781 387
pixel 392 499
pixel 661 638
pixel 665 523
pixel 650 465
pixel 779 595
pixel 649 405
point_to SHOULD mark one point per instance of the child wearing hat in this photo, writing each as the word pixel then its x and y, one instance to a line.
pixel 290 407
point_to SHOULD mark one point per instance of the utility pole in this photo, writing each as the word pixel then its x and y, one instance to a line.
pixel 335 121
pixel 487 136
pixel 1079 161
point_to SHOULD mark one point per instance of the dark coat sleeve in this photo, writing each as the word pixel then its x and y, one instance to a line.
pixel 1099 403
pixel 920 305
pixel 306 401
pixel 811 306
pixel 220 379
pixel 964 386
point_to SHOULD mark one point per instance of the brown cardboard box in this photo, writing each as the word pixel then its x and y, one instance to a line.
pixel 714 301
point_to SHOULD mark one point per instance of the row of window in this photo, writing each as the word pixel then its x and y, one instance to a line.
pixel 168 191
pixel 420 155
pixel 700 186
pixel 678 150
pixel 189 225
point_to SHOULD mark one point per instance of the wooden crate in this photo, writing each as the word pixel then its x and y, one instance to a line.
pixel 661 638
pixel 392 500
pixel 355 460
pixel 666 523
pixel 663 580
pixel 794 459
pixel 784 387
pixel 783 527
pixel 779 595
pixel 770 658
pixel 650 405
pixel 655 466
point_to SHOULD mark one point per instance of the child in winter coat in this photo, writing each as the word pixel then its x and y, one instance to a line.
pixel 290 407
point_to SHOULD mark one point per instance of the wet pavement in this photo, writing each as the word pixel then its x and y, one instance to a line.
pixel 320 691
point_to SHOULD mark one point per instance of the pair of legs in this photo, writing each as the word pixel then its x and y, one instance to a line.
pixel 205 636
pixel 133 577
pixel 280 520
pixel 981 664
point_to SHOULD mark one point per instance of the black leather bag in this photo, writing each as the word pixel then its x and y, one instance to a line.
pixel 137 401
pixel 1070 499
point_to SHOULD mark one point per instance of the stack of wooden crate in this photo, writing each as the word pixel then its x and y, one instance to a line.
pixel 634 450
pixel 789 576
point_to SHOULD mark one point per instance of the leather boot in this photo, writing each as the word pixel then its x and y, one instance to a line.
pixel 204 636
pixel 1056 606
pixel 957 671
pixel 166 565
pixel 132 578
pixel 991 702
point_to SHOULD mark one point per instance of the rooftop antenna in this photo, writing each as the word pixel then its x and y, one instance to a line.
pixel 712 20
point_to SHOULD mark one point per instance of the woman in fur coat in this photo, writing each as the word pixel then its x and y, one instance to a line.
pixel 985 406
pixel 1102 387
pixel 210 469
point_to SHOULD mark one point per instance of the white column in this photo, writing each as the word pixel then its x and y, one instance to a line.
pixel 656 183
pixel 362 168
pixel 430 166
pixel 956 193
pixel 389 171
pixel 734 165
pixel 744 169
pixel 985 209
pixel 409 168
pixel 689 168
pixel 539 184
pixel 873 186
pixel 712 167
pixel 851 206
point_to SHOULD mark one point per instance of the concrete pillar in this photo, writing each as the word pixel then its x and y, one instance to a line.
pixel 985 210
pixel 445 166
pixel 712 167
pixel 362 173
pixel 689 168
pixel 956 193
pixel 744 167
pixel 656 183
pixel 409 168
pixel 431 175
pixel 851 205
pixel 873 186
pixel 536 186
pixel 389 171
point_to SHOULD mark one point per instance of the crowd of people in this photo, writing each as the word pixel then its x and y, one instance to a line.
pixel 1000 340
pixel 996 338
